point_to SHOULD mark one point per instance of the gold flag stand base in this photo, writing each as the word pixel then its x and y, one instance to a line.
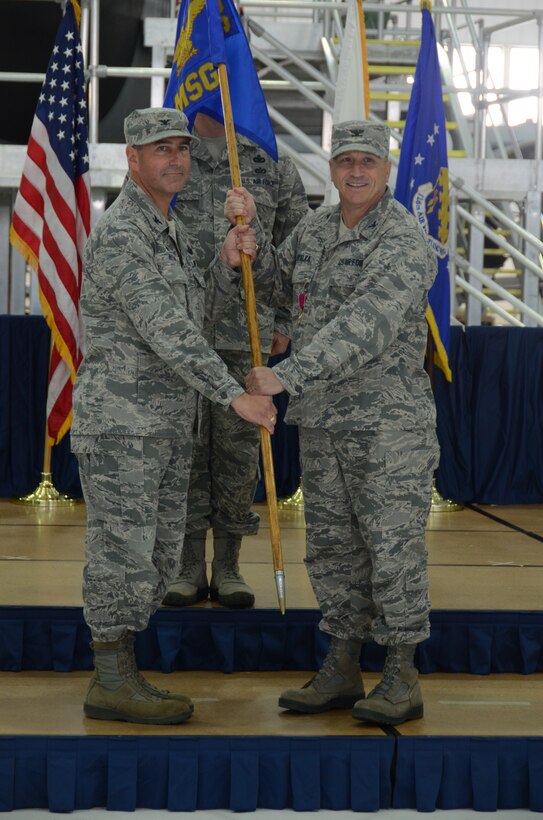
pixel 440 504
pixel 293 502
pixel 46 495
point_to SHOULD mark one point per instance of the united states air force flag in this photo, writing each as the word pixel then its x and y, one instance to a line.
pixel 423 180
pixel 201 43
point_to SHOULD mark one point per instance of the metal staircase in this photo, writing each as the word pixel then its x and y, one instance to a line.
pixel 495 191
pixel 495 261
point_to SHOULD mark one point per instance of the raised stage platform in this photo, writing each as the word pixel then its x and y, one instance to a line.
pixel 479 745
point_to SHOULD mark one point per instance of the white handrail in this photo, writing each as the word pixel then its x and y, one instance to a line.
pixel 296 132
pixel 500 241
pixel 492 209
pixel 295 83
pixel 301 161
pixel 498 290
pixel 323 5
pixel 482 297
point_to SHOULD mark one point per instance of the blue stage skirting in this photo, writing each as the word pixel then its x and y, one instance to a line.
pixel 361 774
pixel 473 642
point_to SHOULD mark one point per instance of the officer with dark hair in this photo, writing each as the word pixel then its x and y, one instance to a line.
pixel 143 305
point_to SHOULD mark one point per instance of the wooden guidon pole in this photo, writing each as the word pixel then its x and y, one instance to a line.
pixel 254 338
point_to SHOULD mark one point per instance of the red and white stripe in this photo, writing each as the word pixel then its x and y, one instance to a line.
pixel 51 223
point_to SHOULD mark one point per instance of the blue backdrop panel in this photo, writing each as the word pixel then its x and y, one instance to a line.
pixel 189 773
pixel 490 419
pixel 285 450
pixel 24 366
pixel 476 642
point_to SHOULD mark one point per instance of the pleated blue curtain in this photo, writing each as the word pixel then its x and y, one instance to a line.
pixel 474 642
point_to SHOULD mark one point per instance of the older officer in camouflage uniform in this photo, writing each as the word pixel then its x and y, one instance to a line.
pixel 143 306
pixel 358 275
pixel 225 454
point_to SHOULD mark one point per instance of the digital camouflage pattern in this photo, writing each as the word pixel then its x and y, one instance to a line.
pixel 224 465
pixel 143 304
pixel 222 495
pixel 280 201
pixel 145 125
pixel 372 137
pixel 371 579
pixel 132 552
pixel 366 413
pixel 358 302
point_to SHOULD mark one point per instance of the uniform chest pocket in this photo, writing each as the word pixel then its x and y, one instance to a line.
pixel 196 276
pixel 177 279
pixel 345 279
pixel 266 205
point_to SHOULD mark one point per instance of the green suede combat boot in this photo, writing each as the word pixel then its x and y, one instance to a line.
pixel 397 697
pixel 190 586
pixel 227 586
pixel 153 690
pixel 116 691
pixel 337 685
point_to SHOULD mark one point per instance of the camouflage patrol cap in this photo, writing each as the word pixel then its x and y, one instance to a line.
pixel 359 135
pixel 145 125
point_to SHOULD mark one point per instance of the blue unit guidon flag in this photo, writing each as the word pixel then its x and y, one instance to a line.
pixel 210 32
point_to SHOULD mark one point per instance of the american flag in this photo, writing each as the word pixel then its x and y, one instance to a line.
pixel 51 216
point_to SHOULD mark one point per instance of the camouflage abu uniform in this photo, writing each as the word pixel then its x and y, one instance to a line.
pixel 225 456
pixel 143 304
pixel 366 415
pixel 357 276
pixel 222 495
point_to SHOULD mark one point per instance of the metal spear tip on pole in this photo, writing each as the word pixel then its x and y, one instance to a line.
pixel 280 587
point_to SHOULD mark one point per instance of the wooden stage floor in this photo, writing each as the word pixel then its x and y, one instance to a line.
pixel 488 558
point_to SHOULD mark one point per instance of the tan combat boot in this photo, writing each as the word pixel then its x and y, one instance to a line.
pixel 227 586
pixel 337 685
pixel 190 586
pixel 116 691
pixel 128 649
pixel 397 697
